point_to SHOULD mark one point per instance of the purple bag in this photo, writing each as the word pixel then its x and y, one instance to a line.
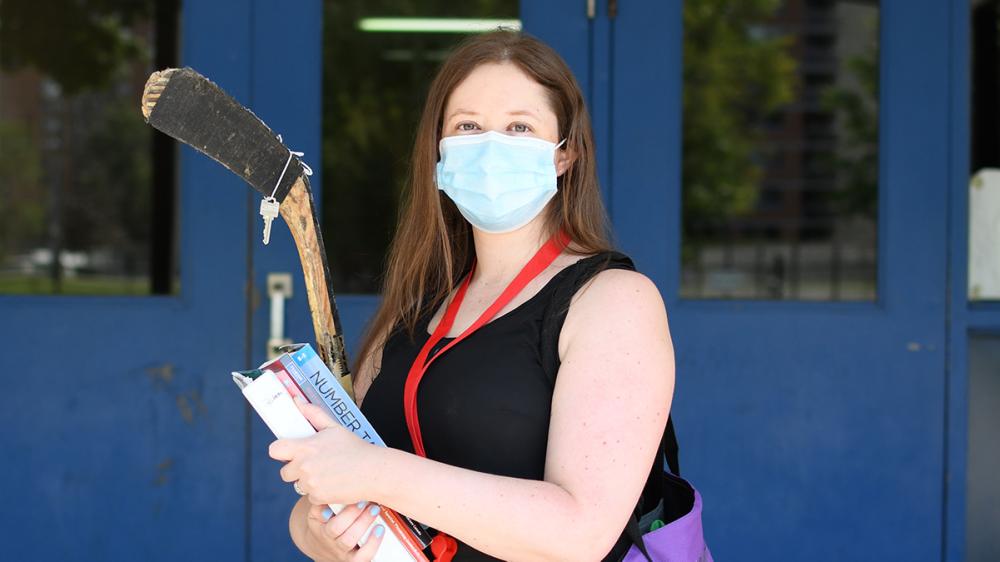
pixel 681 540
pixel 679 505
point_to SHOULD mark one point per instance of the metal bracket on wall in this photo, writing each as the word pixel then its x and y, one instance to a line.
pixel 279 288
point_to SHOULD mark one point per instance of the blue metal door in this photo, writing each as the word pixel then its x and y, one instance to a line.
pixel 123 436
pixel 815 431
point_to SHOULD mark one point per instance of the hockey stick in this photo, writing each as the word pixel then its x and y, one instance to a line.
pixel 188 107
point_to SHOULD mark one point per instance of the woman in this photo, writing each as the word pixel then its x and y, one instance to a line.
pixel 541 427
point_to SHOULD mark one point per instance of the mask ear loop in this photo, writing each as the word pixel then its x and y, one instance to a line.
pixel 562 142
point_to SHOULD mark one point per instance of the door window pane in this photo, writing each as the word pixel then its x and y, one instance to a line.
pixel 378 60
pixel 982 509
pixel 86 193
pixel 780 149
pixel 985 114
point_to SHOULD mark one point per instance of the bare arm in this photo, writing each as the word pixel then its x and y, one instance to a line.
pixel 609 407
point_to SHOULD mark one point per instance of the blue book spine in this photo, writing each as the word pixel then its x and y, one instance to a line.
pixel 327 391
pixel 307 388
pixel 322 389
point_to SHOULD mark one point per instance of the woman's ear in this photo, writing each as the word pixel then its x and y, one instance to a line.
pixel 564 158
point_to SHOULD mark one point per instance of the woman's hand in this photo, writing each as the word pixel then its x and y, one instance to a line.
pixel 332 466
pixel 334 538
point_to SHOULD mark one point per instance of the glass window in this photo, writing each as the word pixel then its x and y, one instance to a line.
pixel 86 193
pixel 780 150
pixel 378 60
pixel 985 122
pixel 982 509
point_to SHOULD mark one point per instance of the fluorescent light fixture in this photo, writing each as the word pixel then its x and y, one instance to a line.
pixel 435 25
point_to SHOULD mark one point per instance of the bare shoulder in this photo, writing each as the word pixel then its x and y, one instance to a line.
pixel 618 302
pixel 618 286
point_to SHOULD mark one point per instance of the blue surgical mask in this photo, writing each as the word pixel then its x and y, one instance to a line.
pixel 498 182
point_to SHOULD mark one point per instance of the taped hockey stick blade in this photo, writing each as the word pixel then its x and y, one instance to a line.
pixel 192 109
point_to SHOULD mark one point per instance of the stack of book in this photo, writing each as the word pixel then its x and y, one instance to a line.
pixel 299 372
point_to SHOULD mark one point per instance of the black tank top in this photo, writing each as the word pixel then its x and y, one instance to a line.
pixel 485 404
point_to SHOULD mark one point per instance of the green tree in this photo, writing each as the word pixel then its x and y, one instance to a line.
pixel 112 180
pixel 20 182
pixel 737 71
pixel 856 108
pixel 80 45
pixel 96 166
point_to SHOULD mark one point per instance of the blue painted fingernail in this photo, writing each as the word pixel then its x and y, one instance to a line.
pixel 327 514
pixel 374 510
pixel 362 504
pixel 379 531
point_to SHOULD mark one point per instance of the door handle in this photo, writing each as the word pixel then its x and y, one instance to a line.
pixel 279 288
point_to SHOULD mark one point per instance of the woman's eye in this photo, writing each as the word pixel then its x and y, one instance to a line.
pixel 467 126
pixel 520 128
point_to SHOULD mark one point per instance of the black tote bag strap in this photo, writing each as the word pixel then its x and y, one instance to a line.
pixel 635 535
pixel 670 448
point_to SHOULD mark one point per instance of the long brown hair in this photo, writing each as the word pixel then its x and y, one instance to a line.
pixel 433 247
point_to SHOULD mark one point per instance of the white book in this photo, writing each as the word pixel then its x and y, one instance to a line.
pixel 278 410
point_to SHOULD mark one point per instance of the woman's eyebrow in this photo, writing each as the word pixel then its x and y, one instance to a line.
pixel 457 112
pixel 462 112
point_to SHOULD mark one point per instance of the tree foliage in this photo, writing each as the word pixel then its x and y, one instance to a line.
pixel 79 172
pixel 78 44
pixel 736 72
pixel 856 109
pixel 20 181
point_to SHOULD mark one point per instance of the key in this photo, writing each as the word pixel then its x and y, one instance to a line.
pixel 268 210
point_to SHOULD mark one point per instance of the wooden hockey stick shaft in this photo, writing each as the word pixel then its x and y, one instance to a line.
pixel 300 215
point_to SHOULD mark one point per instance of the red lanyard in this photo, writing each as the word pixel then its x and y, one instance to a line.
pixel 443 546
pixel 542 259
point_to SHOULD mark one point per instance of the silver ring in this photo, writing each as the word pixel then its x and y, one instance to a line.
pixel 297 489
